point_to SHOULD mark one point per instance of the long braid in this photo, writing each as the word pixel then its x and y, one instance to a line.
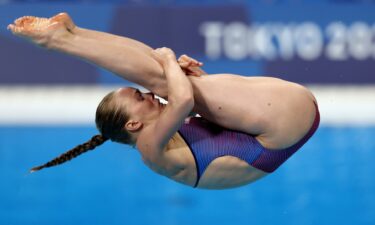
pixel 110 120
pixel 90 145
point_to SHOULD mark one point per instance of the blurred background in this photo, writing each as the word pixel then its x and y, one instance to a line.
pixel 48 102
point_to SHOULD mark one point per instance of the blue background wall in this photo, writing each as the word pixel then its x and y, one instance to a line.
pixel 320 43
pixel 329 181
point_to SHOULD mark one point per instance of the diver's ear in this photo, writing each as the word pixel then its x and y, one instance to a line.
pixel 133 125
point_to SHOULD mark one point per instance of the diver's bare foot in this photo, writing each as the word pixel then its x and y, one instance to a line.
pixel 42 31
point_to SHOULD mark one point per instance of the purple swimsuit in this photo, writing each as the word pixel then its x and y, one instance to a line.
pixel 208 141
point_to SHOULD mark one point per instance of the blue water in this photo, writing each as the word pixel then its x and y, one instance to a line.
pixel 330 181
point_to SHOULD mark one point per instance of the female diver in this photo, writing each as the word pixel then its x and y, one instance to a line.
pixel 249 125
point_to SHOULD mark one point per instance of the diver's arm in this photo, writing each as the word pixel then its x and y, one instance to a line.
pixel 180 104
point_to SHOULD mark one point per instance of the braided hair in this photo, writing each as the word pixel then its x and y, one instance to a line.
pixel 110 120
pixel 90 145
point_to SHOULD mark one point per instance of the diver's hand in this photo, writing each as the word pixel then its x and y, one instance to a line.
pixel 187 61
pixel 190 66
pixel 164 55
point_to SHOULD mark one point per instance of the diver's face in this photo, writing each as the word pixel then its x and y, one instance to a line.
pixel 138 105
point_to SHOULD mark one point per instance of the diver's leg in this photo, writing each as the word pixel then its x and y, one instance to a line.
pixel 277 112
pixel 123 56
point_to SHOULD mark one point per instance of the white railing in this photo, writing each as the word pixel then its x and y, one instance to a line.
pixel 62 105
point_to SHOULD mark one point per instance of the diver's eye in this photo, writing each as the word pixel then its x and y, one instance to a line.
pixel 140 96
